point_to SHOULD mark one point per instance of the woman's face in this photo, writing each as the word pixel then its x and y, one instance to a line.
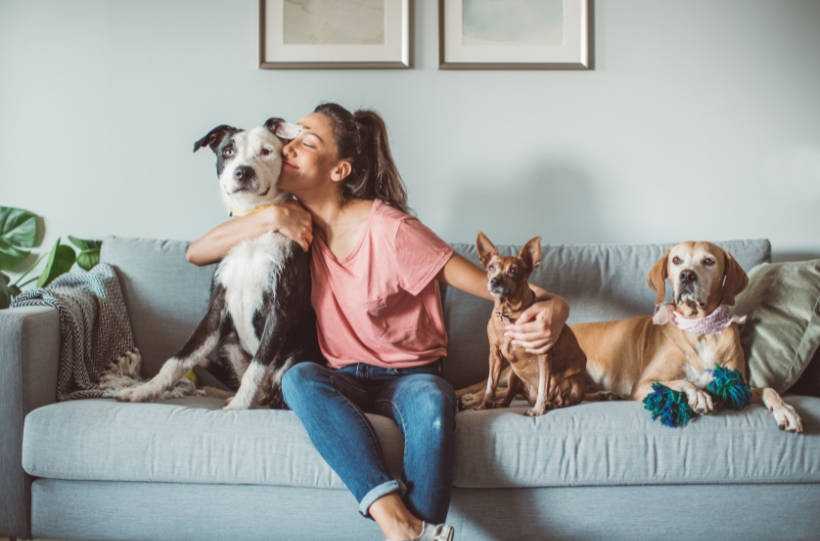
pixel 309 161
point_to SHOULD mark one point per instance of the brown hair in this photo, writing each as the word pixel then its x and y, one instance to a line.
pixel 361 137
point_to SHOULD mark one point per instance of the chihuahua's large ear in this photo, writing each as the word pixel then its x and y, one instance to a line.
pixel 531 252
pixel 282 129
pixel 486 249
pixel 735 279
pixel 657 277
pixel 215 137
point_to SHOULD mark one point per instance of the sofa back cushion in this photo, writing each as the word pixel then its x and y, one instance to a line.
pixel 600 283
pixel 166 296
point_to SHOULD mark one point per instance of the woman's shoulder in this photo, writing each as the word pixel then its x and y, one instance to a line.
pixel 389 214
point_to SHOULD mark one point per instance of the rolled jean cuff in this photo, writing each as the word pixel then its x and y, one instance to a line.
pixel 382 490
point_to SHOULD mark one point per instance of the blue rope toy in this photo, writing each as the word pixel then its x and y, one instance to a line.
pixel 727 389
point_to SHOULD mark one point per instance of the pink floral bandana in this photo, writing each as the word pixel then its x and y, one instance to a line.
pixel 718 320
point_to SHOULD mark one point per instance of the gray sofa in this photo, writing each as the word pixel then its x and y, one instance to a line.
pixel 186 470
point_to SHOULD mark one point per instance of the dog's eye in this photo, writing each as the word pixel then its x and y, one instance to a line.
pixel 513 270
pixel 708 261
pixel 676 260
pixel 228 152
pixel 491 268
pixel 266 151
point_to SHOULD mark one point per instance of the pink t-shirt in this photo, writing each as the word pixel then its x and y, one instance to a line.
pixel 381 304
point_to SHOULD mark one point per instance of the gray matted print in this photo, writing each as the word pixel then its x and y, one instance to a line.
pixel 332 22
pixel 513 22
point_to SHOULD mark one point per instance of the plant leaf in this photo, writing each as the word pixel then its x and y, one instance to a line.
pixel 60 261
pixel 89 255
pixel 85 244
pixel 5 291
pixel 88 259
pixel 10 256
pixel 18 227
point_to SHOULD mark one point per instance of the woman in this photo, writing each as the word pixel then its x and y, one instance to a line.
pixel 374 273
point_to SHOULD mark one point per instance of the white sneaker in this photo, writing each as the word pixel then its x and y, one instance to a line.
pixel 435 532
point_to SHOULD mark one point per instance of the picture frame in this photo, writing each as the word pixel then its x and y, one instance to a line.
pixel 342 34
pixel 516 34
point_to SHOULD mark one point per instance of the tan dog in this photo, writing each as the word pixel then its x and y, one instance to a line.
pixel 625 357
pixel 551 380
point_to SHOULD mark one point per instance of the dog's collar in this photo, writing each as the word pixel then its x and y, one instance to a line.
pixel 506 315
pixel 240 213
pixel 718 320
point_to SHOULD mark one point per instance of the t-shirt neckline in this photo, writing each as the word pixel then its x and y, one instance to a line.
pixel 325 248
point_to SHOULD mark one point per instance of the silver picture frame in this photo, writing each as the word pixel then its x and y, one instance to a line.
pixel 564 42
pixel 291 36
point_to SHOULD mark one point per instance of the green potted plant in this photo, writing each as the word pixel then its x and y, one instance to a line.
pixel 19 232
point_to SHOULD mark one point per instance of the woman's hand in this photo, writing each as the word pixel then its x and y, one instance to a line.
pixel 539 326
pixel 293 221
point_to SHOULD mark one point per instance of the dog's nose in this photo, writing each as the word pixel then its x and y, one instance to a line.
pixel 494 282
pixel 243 173
pixel 687 277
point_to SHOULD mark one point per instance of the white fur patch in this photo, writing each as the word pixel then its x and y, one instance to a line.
pixel 250 385
pixel 248 271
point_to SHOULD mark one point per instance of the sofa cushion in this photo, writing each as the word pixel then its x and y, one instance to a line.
pixel 190 440
pixel 782 331
pixel 165 295
pixel 617 443
pixel 600 283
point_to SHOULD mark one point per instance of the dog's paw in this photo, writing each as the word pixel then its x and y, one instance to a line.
pixel 232 404
pixel 536 412
pixel 468 401
pixel 484 405
pixel 141 393
pixel 701 402
pixel 787 419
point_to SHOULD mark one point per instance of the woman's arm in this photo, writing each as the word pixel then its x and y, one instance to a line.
pixel 537 328
pixel 289 218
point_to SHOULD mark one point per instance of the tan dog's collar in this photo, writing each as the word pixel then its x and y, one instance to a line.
pixel 506 315
pixel 718 320
pixel 239 213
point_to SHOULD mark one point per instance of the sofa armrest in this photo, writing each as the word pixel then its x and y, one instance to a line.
pixel 29 357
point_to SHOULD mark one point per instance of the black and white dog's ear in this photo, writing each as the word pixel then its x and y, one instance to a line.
pixel 282 129
pixel 215 137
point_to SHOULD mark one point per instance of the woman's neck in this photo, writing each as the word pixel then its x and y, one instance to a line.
pixel 339 224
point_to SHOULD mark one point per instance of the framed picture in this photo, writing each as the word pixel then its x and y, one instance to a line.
pixel 515 34
pixel 334 34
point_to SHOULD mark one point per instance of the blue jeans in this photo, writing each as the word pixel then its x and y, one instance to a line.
pixel 331 404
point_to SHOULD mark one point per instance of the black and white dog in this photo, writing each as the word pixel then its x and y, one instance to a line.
pixel 259 315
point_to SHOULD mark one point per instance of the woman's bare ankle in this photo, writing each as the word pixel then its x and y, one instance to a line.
pixel 396 522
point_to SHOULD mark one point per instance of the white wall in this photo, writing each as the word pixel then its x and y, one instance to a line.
pixel 701 120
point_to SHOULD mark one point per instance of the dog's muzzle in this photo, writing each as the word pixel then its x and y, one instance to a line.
pixel 498 288
pixel 687 288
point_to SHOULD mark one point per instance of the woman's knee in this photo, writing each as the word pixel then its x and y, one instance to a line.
pixel 300 379
pixel 433 403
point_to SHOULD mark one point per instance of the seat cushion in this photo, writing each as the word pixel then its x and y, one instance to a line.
pixel 189 440
pixel 617 443
pixel 192 440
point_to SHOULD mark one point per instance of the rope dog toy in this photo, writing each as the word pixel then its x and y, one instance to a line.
pixel 727 388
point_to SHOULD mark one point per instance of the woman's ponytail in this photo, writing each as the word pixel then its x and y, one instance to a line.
pixel 362 138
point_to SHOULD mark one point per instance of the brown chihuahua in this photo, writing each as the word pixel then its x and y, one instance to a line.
pixel 554 379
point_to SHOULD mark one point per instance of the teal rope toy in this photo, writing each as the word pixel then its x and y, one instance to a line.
pixel 671 406
pixel 728 389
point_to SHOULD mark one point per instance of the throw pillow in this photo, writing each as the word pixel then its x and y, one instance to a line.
pixel 782 330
